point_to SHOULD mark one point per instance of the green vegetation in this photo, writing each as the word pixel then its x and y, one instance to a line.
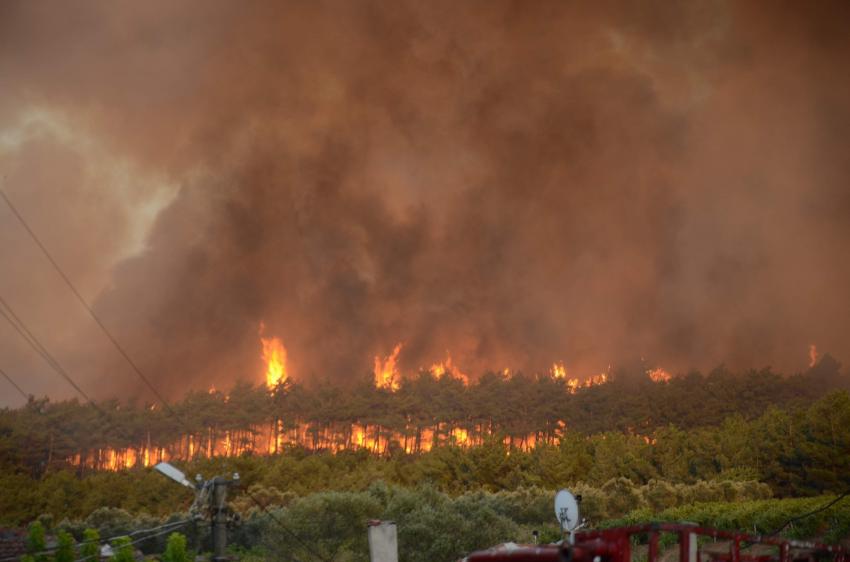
pixel 758 516
pixel 434 525
pixel 36 542
pixel 123 550
pixel 65 547
pixel 175 549
pixel 90 546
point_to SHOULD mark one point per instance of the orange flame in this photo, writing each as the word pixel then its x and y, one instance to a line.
pixel 460 436
pixel 440 369
pixel 558 370
pixel 386 371
pixel 659 375
pixel 274 354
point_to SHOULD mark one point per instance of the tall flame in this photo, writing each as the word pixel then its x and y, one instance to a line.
pixel 386 371
pixel 558 370
pixel 274 354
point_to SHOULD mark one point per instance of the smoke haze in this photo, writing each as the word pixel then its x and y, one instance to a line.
pixel 513 183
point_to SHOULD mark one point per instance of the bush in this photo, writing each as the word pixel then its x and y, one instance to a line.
pixel 175 550
pixel 36 542
pixel 122 548
pixel 90 547
pixel 65 547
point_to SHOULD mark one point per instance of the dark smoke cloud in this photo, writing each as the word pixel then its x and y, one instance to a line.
pixel 514 183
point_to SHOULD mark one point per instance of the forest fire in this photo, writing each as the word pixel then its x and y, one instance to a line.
pixel 290 427
pixel 520 411
pixel 386 370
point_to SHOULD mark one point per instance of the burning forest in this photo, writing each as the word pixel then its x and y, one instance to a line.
pixel 285 424
pixel 387 413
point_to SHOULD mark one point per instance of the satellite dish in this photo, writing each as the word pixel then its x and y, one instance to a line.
pixel 566 510
pixel 174 473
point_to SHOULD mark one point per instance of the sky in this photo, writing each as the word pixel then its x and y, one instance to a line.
pixel 511 183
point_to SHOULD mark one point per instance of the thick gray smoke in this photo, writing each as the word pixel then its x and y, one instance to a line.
pixel 514 183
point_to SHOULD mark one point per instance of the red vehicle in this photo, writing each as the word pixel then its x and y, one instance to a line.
pixel 615 545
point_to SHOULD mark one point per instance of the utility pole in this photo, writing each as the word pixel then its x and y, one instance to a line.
pixel 210 501
pixel 220 515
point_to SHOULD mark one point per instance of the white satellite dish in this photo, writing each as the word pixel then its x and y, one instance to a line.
pixel 174 473
pixel 566 510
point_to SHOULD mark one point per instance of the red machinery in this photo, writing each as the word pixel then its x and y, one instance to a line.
pixel 615 545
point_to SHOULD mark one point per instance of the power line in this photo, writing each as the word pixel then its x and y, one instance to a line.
pixel 19 326
pixel 137 541
pixel 171 526
pixel 123 353
pixel 285 528
pixel 13 383
pixel 810 513
pixel 88 308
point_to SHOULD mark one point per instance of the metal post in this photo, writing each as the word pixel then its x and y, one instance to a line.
pixel 219 519
pixel 685 545
pixel 652 554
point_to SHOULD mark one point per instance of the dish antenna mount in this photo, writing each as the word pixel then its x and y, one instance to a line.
pixel 567 513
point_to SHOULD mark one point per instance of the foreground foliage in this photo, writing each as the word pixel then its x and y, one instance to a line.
pixel 435 526
pixel 759 517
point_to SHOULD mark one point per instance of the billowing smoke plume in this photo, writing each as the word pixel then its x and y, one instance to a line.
pixel 514 183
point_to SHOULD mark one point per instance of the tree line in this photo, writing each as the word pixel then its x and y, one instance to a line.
pixel 521 411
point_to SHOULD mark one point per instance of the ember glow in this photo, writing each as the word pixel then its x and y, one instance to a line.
pixel 386 370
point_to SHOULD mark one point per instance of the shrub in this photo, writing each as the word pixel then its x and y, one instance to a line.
pixel 175 550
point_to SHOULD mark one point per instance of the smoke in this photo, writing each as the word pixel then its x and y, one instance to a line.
pixel 512 183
